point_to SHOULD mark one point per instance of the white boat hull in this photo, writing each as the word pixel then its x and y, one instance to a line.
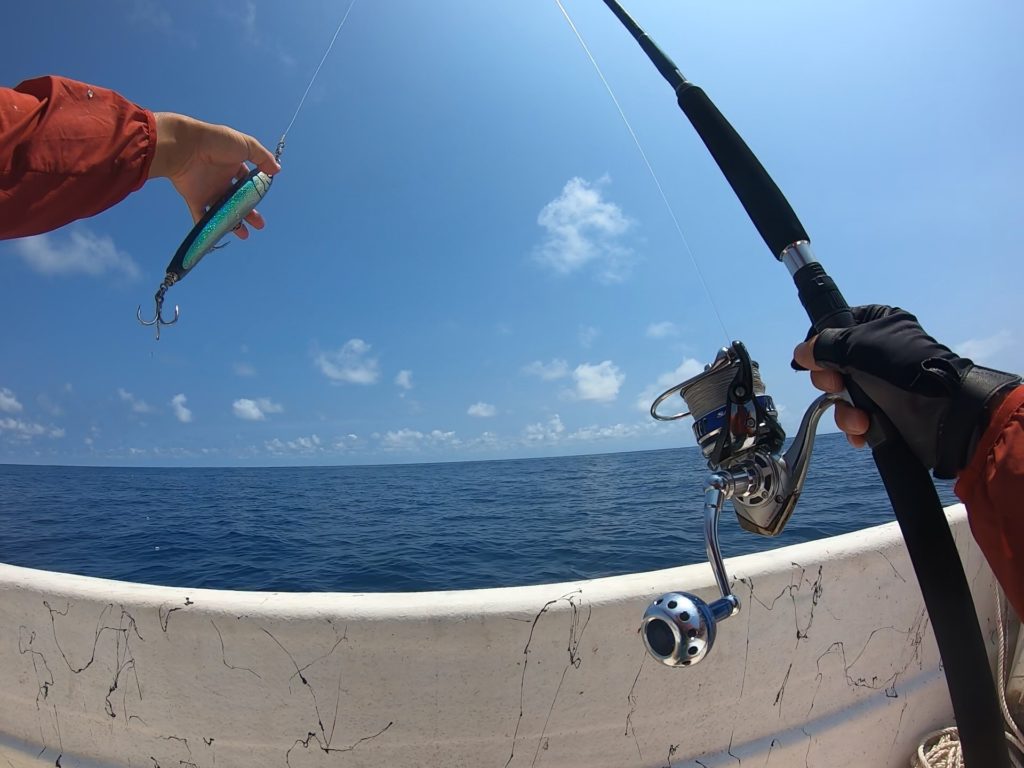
pixel 830 662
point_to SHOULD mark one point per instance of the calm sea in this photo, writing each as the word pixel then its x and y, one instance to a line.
pixel 403 527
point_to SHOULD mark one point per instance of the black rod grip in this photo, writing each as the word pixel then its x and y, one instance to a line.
pixel 822 300
pixel 771 213
pixel 826 308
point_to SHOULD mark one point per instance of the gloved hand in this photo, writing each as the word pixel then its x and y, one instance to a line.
pixel 935 398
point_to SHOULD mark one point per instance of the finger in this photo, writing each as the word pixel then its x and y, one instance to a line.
pixel 242 172
pixel 198 210
pixel 852 421
pixel 256 220
pixel 856 441
pixel 827 381
pixel 261 156
pixel 241 231
pixel 804 355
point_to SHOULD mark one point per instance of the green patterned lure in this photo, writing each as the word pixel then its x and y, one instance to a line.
pixel 223 217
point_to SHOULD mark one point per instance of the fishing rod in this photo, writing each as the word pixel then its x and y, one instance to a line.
pixel 227 213
pixel 736 425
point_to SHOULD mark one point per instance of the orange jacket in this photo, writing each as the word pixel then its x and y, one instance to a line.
pixel 70 150
pixel 67 151
pixel 992 488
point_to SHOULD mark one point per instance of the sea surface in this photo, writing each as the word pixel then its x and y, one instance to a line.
pixel 404 527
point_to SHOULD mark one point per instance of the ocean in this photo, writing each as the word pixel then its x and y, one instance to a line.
pixel 404 526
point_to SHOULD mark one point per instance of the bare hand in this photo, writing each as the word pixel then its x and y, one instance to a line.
pixel 202 160
pixel 853 421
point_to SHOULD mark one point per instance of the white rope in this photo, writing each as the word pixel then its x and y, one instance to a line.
pixel 941 749
pixel 1015 735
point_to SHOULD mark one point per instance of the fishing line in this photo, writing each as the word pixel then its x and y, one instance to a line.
pixel 280 144
pixel 650 168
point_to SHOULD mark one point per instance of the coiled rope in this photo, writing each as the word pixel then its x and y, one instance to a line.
pixel 941 749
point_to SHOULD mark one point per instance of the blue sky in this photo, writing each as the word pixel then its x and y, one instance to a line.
pixel 466 257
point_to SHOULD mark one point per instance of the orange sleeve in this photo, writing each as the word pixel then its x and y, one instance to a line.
pixel 67 151
pixel 992 488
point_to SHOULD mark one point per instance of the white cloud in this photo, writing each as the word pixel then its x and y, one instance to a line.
pixel 244 369
pixel 82 252
pixel 487 440
pixel 286 59
pixel 482 410
pixel 414 440
pixel 686 370
pixel 599 382
pixel 556 369
pixel 248 21
pixel 350 364
pixel 982 351
pixel 28 429
pixel 588 334
pixel 300 445
pixel 8 402
pixel 255 410
pixel 183 414
pixel 346 442
pixel 150 12
pixel 662 330
pixel 404 379
pixel 137 405
pixel 47 404
pixel 544 432
pixel 612 432
pixel 581 229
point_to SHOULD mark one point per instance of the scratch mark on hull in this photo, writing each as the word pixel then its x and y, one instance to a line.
pixel 224 658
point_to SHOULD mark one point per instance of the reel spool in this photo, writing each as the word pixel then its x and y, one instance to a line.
pixel 731 411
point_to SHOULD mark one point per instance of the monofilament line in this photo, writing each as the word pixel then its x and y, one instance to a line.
pixel 650 168
pixel 317 72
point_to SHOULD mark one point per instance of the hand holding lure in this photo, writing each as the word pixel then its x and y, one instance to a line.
pixel 226 214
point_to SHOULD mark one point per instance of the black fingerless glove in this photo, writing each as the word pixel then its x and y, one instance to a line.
pixel 935 398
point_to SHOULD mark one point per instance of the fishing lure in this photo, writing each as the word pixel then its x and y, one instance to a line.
pixel 226 214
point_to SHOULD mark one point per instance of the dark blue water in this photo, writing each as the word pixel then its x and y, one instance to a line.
pixel 403 527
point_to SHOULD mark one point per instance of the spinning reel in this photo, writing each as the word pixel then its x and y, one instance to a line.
pixel 736 425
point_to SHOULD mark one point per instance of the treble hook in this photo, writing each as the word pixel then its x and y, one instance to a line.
pixel 158 318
